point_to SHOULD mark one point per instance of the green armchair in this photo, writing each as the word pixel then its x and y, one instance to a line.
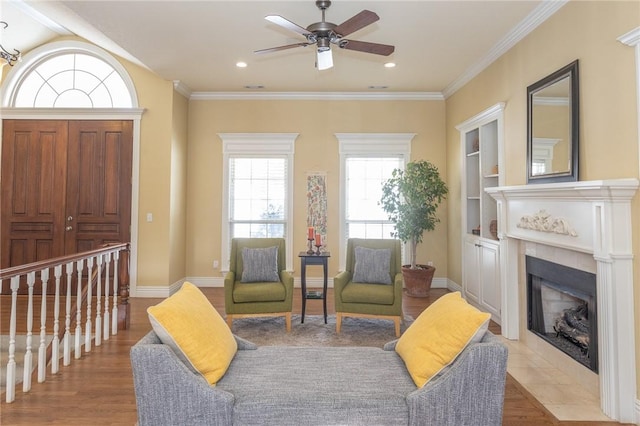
pixel 262 295
pixel 369 299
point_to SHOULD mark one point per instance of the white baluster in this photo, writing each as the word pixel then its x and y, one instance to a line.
pixel 42 350
pixel 55 344
pixel 11 365
pixel 98 337
pixel 28 355
pixel 78 340
pixel 116 273
pixel 106 297
pixel 88 324
pixel 67 320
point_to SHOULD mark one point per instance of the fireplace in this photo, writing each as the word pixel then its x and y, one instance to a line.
pixel 585 218
pixel 562 309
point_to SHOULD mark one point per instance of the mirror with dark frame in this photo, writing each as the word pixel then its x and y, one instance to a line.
pixel 553 127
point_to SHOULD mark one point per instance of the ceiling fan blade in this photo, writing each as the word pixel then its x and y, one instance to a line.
pixel 275 49
pixel 363 46
pixel 356 22
pixel 285 23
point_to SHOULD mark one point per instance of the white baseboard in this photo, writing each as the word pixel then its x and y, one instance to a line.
pixel 151 291
pixel 439 283
pixel 453 286
pixel 206 281
pixel 158 291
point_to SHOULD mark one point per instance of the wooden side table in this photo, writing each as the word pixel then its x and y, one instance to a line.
pixel 314 259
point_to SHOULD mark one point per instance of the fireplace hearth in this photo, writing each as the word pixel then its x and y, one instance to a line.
pixel 561 309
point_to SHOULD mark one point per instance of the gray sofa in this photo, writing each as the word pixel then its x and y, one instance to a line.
pixel 284 385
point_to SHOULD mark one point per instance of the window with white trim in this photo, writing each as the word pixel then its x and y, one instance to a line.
pixel 366 162
pixel 364 176
pixel 257 197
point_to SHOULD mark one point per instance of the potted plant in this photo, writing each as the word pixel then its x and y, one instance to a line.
pixel 411 198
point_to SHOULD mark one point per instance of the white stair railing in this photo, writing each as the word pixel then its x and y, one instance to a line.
pixel 42 348
pixel 107 267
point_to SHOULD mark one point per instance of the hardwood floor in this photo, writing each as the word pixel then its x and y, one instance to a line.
pixel 98 388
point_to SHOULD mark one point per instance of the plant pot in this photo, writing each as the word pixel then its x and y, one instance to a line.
pixel 417 282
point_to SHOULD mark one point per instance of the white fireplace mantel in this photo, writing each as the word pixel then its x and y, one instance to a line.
pixel 592 217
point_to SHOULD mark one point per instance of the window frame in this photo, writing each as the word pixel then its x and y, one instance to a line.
pixel 257 145
pixel 367 145
pixel 31 60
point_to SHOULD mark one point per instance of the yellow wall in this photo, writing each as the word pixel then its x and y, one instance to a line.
pixel 608 117
pixel 178 195
pixel 316 149
pixel 155 95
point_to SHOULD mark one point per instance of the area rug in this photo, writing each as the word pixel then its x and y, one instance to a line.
pixel 270 331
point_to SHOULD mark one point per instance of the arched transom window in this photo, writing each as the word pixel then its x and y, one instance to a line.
pixel 73 80
pixel 69 74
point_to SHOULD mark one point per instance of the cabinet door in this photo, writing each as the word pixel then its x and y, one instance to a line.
pixel 490 295
pixel 471 282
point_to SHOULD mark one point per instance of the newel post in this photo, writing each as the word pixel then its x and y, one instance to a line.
pixel 124 313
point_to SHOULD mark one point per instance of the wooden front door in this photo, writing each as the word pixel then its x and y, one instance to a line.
pixel 66 187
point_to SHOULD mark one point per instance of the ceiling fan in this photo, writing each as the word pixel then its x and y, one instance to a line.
pixel 323 34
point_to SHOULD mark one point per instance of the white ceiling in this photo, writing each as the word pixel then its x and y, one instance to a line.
pixel 439 44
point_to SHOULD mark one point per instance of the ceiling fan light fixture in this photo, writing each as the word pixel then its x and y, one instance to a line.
pixel 324 59
pixel 323 44
pixel 390 65
pixel 241 64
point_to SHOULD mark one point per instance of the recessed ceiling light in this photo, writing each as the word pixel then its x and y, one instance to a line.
pixel 389 64
pixel 241 64
pixel 378 87
pixel 254 86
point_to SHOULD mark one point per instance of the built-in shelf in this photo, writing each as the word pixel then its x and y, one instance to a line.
pixel 481 145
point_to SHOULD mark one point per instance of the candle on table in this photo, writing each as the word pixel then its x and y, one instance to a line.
pixel 318 240
pixel 310 233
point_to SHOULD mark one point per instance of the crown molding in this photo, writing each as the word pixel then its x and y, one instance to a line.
pixel 631 38
pixel 182 88
pixel 528 24
pixel 317 96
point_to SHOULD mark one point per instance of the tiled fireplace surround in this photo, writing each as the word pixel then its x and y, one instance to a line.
pixel 584 225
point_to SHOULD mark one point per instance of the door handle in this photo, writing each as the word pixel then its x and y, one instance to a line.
pixel 69 218
pixel 69 228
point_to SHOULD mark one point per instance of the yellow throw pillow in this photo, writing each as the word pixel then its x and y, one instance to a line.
pixel 439 335
pixel 191 326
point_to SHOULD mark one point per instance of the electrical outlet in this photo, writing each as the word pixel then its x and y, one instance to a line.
pixel 216 264
pixel 429 263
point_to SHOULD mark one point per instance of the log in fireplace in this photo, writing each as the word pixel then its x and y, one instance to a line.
pixel 561 309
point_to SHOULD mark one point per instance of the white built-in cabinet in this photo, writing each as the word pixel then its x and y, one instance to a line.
pixel 481 141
